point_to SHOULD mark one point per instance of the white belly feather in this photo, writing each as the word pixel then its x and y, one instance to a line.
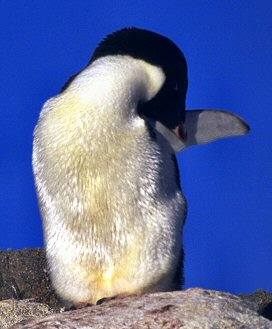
pixel 111 204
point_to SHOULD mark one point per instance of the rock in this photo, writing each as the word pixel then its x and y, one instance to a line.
pixel 193 308
pixel 13 311
pixel 24 279
pixel 24 275
pixel 264 301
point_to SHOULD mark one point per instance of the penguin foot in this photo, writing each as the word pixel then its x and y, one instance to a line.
pixel 78 306
pixel 105 300
pixel 120 296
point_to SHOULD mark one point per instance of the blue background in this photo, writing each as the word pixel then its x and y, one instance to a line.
pixel 228 45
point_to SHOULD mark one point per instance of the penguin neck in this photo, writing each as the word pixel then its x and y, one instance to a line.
pixel 113 86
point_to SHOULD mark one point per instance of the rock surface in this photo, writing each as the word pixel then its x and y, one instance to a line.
pixel 25 282
pixel 24 274
pixel 13 311
pixel 264 301
pixel 193 308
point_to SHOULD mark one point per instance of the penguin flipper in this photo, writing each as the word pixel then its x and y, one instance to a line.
pixel 205 126
pixel 202 127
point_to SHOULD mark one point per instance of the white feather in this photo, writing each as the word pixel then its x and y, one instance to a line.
pixel 112 209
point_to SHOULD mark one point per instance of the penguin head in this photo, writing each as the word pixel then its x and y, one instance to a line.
pixel 168 105
pixel 165 111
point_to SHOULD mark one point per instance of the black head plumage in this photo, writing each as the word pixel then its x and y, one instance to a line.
pixel 169 104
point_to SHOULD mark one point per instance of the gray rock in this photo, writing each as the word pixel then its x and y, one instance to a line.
pixel 24 275
pixel 264 301
pixel 193 308
pixel 13 311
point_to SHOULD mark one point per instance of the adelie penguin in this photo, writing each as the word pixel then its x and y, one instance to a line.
pixel 105 169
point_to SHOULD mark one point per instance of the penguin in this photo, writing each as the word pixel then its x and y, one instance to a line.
pixel 105 169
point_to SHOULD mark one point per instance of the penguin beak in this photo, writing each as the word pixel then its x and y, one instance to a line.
pixel 181 131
